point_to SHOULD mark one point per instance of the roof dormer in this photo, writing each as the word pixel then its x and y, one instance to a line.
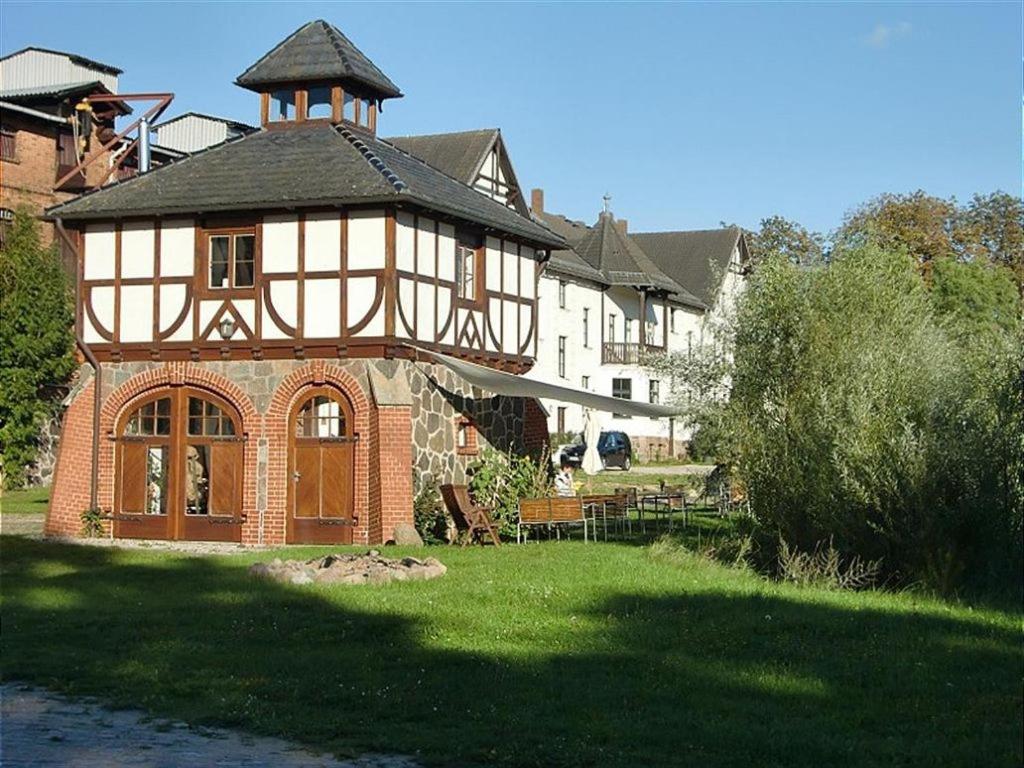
pixel 316 73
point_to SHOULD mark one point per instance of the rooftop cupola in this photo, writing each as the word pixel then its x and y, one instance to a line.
pixel 316 73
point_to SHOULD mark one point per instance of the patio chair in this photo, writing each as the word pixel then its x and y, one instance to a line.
pixel 472 518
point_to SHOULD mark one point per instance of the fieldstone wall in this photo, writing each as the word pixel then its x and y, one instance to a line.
pixel 439 398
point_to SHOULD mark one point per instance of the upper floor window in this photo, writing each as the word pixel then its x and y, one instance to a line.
pixel 585 382
pixel 468 277
pixel 8 145
pixel 318 103
pixel 232 260
pixel 611 327
pixel 654 391
pixel 627 331
pixel 561 356
pixel 282 106
pixel 586 327
pixel 561 293
pixel 672 320
pixel 622 389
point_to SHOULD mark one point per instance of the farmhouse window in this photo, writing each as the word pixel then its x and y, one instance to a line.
pixel 469 278
pixel 561 294
pixel 8 145
pixel 232 260
pixel 561 356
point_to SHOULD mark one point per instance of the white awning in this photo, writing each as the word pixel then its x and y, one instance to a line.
pixel 501 383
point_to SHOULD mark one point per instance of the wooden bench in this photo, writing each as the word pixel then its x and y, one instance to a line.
pixel 472 518
pixel 551 512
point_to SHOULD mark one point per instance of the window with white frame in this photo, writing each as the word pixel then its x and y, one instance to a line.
pixel 586 326
pixel 622 389
pixel 585 382
pixel 672 320
pixel 467 280
pixel 561 356
pixel 611 327
pixel 654 391
pixel 561 294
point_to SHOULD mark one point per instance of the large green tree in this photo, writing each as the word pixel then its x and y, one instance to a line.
pixel 36 342
pixel 778 236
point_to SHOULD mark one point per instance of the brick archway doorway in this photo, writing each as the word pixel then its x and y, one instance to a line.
pixel 321 469
pixel 179 470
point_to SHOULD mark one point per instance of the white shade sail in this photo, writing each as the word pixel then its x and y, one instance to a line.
pixel 501 383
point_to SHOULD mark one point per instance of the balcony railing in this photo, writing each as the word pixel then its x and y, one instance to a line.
pixel 625 352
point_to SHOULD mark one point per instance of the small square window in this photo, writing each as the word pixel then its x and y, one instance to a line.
pixel 465 437
pixel 318 103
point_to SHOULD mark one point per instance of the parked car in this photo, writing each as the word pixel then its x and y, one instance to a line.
pixel 614 449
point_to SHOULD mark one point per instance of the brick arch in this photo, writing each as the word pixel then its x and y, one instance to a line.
pixel 178 375
pixel 313 374
pixel 191 375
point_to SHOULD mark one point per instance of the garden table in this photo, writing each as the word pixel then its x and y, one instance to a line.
pixel 661 504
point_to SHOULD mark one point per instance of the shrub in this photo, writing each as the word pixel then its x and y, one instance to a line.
pixel 36 343
pixel 498 480
pixel 430 515
pixel 864 414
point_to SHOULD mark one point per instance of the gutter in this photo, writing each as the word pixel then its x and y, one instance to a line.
pixel 97 377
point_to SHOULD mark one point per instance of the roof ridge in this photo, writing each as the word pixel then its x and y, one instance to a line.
pixel 688 231
pixel 442 133
pixel 374 161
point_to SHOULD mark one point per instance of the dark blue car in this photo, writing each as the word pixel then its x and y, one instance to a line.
pixel 614 449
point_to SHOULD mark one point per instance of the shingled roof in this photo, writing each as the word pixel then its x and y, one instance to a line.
pixel 457 154
pixel 621 262
pixel 566 260
pixel 314 164
pixel 317 51
pixel 698 259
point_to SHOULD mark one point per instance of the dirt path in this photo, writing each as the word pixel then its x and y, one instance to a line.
pixel 22 524
pixel 43 730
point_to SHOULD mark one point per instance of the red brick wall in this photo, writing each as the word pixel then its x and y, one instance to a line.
pixel 535 427
pixel 383 457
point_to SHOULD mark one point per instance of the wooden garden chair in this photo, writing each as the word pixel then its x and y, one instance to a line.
pixel 472 518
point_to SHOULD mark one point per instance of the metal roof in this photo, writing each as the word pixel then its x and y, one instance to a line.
pixel 76 58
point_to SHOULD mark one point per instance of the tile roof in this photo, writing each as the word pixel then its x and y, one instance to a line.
pixel 457 154
pixel 303 165
pixel 698 259
pixel 317 51
pixel 567 260
pixel 608 249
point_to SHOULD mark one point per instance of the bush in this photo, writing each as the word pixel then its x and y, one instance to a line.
pixel 864 412
pixel 498 480
pixel 36 343
pixel 430 515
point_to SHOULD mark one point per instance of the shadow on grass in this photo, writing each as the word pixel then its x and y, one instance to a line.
pixel 692 676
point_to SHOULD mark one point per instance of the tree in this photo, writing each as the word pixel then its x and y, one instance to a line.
pixel 36 342
pixel 992 227
pixel 782 237
pixel 922 226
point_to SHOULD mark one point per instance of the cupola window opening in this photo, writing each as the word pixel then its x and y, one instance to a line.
pixel 318 103
pixel 282 105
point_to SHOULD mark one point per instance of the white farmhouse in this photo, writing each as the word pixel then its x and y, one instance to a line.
pixel 613 296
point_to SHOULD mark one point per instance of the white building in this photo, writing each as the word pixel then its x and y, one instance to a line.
pixel 191 132
pixel 591 302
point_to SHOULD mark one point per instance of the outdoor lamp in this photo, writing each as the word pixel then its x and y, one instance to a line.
pixel 226 327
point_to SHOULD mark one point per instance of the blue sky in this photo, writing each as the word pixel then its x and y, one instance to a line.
pixel 687 114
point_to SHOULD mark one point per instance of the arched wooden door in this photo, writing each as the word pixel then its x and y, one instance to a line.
pixel 321 469
pixel 179 469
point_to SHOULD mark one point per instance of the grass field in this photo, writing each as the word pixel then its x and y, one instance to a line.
pixel 553 654
pixel 26 500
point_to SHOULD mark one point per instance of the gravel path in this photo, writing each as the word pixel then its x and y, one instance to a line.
pixel 42 730
pixel 22 524
pixel 672 469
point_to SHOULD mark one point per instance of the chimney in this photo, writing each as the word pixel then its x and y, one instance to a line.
pixel 623 225
pixel 537 200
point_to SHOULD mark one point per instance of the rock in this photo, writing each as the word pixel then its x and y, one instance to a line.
pixel 369 568
pixel 406 535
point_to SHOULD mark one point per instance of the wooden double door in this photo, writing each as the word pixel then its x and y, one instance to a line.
pixel 321 469
pixel 179 470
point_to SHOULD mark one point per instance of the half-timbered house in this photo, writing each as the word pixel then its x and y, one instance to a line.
pixel 253 314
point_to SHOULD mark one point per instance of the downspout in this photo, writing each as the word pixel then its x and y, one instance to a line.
pixel 97 372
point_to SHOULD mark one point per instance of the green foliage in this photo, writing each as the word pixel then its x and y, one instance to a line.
pixel 92 523
pixel 36 342
pixel 884 418
pixel 498 480
pixel 429 515
pixel 778 237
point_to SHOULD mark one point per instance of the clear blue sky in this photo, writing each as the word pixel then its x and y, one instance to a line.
pixel 687 114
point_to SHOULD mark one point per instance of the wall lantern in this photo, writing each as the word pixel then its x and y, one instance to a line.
pixel 226 327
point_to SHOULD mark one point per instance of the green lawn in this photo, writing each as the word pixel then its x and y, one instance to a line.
pixel 26 500
pixel 557 654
